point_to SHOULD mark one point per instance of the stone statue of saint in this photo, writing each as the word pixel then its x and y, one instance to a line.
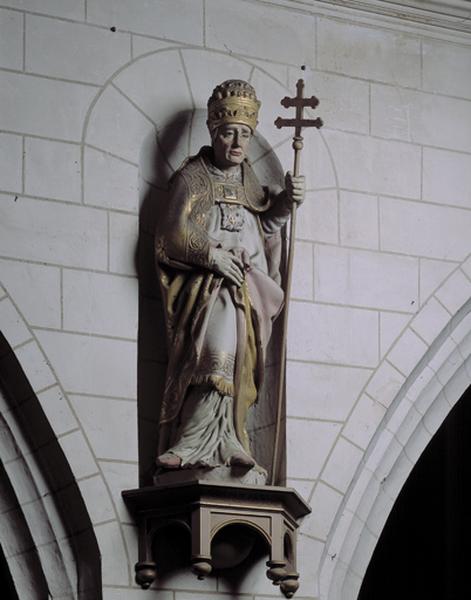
pixel 218 249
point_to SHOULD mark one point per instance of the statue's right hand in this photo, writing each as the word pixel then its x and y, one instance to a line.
pixel 228 265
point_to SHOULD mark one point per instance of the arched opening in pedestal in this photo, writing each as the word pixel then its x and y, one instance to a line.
pixel 423 549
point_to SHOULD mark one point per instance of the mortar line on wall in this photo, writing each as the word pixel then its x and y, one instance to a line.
pixel 314 272
pixel 23 164
pixel 369 108
pixel 131 47
pixel 24 42
pixel 108 235
pixel 204 23
pixel 353 306
pixel 421 57
pixel 85 11
pixel 104 396
pixel 51 77
pixel 39 137
pixel 252 71
pixel 108 153
pixel 419 287
pixel 310 419
pixel 422 174
pixel 187 79
pixel 74 203
pixel 464 273
pixel 86 334
pixel 61 291
pixel 71 267
pixel 26 342
pixel 379 336
pixel 378 217
pixel 118 461
pixel 332 487
pixel 440 302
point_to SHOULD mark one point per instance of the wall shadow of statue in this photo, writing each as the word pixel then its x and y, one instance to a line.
pixel 162 153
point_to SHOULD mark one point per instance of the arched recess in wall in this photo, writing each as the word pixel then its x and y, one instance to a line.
pixel 420 407
pixel 137 133
pixel 46 533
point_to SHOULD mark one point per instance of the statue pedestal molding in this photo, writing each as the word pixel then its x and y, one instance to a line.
pixel 205 508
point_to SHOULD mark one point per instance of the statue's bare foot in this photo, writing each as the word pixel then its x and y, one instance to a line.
pixel 241 460
pixel 168 461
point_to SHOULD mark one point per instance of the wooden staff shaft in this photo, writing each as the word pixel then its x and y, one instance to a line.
pixel 297 146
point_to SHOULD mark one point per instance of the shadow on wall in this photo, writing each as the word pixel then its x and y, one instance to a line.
pixel 75 552
pixel 162 154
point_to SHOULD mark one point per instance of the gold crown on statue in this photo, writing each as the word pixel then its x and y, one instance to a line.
pixel 233 101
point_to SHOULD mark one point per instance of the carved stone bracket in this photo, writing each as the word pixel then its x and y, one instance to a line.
pixel 206 508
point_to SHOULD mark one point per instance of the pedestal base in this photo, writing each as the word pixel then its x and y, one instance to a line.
pixel 205 508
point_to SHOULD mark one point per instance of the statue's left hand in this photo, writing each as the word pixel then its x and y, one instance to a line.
pixel 295 188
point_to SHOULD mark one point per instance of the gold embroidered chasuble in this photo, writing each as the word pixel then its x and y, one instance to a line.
pixel 217 333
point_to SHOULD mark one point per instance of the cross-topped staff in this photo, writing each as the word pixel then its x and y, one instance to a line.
pixel 299 102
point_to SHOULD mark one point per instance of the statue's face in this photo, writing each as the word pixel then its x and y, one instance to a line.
pixel 230 144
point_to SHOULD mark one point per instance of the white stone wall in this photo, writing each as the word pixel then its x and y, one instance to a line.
pixel 381 266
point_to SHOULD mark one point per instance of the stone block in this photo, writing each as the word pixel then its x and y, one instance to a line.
pixel 322 391
pixel 53 232
pixel 105 129
pixel 107 367
pixel 110 182
pixel 278 28
pixel 70 9
pixel 364 420
pixel 279 72
pixel 446 68
pixel 426 230
pixel 124 234
pixel 57 410
pixel 432 274
pixel 52 169
pixel 368 53
pixel 78 454
pixel 364 278
pixel 119 477
pixel 342 464
pixel 177 20
pixel 343 102
pixel 455 292
pixel 144 45
pixel 199 62
pixel 11 161
pixel 70 50
pixel 104 421
pixel 333 334
pixel 317 218
pixel 11 40
pixel 312 438
pixel 12 325
pixel 35 365
pixel 35 290
pixel 385 384
pixel 359 220
pixel 43 117
pixel 374 165
pixel 302 286
pixel 99 303
pixel 324 503
pixel 447 177
pixel 421 118
pixel 115 567
pixel 309 555
pixel 97 499
pixel 431 319
pixel 407 352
